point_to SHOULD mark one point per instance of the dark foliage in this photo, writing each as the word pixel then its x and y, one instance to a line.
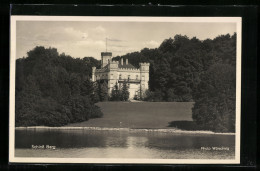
pixel 120 93
pixel 177 64
pixel 183 69
pixel 215 99
pixel 116 94
pixel 125 92
pixel 103 91
pixel 53 89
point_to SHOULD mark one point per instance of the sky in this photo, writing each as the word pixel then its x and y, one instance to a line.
pixel 88 38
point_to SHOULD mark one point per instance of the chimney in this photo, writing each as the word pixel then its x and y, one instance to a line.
pixel 126 61
pixel 122 61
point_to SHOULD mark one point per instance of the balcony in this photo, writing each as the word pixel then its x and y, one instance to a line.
pixel 128 80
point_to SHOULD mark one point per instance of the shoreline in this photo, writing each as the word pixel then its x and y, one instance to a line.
pixel 126 129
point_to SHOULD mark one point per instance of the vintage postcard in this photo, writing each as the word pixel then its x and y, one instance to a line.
pixel 151 90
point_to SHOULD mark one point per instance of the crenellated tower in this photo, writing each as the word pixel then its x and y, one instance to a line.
pixel 93 74
pixel 105 58
pixel 112 75
pixel 144 76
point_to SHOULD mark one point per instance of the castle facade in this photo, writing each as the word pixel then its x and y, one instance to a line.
pixel 118 72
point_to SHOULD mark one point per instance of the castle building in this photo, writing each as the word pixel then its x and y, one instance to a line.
pixel 118 72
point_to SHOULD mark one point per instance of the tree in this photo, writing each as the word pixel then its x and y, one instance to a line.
pixel 162 74
pixel 154 96
pixel 87 88
pixel 95 96
pixel 214 106
pixel 115 94
pixel 125 92
pixel 53 89
pixel 25 102
pixel 74 84
pixel 91 62
pixel 179 62
pixel 138 95
pixel 171 96
pixel 103 91
pixel 82 109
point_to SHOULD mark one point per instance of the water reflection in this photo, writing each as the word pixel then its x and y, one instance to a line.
pixel 123 144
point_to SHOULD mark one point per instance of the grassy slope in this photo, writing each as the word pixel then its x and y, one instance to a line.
pixel 139 115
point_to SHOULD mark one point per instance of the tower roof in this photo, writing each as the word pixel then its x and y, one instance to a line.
pixel 106 53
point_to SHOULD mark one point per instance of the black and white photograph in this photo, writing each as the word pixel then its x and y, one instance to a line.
pixel 160 90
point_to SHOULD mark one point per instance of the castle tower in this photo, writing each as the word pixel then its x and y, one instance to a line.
pixel 105 58
pixel 144 76
pixel 93 74
pixel 112 75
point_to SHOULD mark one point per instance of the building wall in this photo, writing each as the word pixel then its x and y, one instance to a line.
pixel 112 75
pixel 102 75
pixel 144 74
pixel 132 74
pixel 140 77
pixel 133 90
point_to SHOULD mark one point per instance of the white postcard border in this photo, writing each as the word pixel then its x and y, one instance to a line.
pixel 13 159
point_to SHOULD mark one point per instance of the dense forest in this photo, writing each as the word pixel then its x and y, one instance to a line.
pixel 184 69
pixel 54 89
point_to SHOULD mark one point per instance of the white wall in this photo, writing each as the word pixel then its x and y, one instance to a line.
pixel 124 74
pixel 134 87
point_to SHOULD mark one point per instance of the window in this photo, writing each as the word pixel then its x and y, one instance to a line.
pixel 137 77
pixel 120 77
pixel 128 77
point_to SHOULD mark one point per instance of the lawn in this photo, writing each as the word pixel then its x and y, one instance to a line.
pixel 140 115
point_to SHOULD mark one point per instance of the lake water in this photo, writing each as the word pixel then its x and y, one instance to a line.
pixel 122 144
